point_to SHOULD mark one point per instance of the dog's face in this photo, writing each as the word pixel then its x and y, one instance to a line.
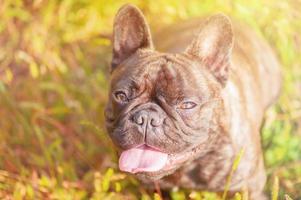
pixel 164 109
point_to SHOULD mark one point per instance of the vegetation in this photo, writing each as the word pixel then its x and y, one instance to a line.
pixel 54 58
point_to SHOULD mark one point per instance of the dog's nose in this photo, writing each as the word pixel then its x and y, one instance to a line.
pixel 147 117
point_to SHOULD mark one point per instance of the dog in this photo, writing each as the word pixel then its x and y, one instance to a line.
pixel 182 113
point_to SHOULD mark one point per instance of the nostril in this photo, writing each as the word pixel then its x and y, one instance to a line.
pixel 142 118
pixel 139 120
pixel 155 122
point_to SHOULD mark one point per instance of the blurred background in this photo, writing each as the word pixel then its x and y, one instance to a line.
pixel 54 61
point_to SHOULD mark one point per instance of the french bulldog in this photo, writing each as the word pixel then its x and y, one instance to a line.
pixel 180 114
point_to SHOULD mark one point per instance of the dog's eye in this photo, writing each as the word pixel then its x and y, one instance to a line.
pixel 121 97
pixel 187 105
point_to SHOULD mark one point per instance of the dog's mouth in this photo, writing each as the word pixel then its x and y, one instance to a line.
pixel 146 159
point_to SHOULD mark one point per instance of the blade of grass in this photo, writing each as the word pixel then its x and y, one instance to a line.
pixel 275 191
pixel 234 167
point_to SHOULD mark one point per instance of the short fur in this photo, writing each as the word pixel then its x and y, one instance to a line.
pixel 229 75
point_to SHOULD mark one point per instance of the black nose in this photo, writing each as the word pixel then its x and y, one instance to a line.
pixel 145 117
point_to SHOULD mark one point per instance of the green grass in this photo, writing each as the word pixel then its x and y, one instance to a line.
pixel 54 58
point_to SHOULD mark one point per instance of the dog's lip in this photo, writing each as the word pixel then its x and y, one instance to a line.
pixel 148 145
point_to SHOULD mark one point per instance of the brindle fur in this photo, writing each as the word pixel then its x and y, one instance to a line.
pixel 230 72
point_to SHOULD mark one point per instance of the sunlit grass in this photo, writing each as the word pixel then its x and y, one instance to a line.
pixel 54 58
pixel 233 169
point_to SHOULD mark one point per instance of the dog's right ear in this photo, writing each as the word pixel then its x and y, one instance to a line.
pixel 130 33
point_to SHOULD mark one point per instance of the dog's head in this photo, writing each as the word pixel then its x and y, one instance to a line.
pixel 165 109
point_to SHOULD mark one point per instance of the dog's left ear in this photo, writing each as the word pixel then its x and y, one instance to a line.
pixel 213 46
pixel 131 33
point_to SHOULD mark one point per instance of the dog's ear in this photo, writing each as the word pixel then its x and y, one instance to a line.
pixel 130 33
pixel 213 46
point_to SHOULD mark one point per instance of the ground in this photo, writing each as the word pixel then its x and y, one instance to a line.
pixel 54 58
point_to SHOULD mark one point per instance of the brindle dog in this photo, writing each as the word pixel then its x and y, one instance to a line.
pixel 189 112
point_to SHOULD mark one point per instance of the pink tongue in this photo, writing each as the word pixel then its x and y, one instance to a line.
pixel 142 159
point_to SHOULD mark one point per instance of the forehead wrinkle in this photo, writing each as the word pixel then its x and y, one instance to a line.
pixel 195 73
pixel 171 69
pixel 137 67
pixel 193 77
pixel 196 77
pixel 163 77
pixel 170 81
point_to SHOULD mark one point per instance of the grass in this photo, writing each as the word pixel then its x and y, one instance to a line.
pixel 54 58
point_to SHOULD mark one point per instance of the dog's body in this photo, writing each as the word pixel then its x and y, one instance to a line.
pixel 228 84
pixel 254 84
